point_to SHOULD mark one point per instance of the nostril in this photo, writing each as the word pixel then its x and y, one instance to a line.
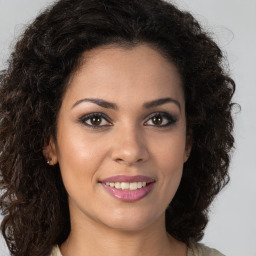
pixel 120 160
pixel 129 155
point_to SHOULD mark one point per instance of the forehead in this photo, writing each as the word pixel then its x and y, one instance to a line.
pixel 115 72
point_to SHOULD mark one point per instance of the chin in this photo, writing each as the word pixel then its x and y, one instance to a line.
pixel 132 221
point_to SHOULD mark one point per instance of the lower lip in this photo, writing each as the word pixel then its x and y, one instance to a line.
pixel 129 195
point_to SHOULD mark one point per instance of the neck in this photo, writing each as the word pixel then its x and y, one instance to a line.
pixel 96 239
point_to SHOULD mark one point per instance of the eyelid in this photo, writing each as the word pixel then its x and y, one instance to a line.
pixel 172 119
pixel 86 117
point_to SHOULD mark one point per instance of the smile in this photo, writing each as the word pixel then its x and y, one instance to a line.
pixel 127 185
pixel 128 188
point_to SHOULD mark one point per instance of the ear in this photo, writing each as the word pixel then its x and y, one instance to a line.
pixel 50 153
pixel 188 148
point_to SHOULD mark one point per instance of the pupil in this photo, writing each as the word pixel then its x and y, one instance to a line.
pixel 157 120
pixel 96 120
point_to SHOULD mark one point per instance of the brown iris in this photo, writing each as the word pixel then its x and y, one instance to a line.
pixel 157 120
pixel 96 120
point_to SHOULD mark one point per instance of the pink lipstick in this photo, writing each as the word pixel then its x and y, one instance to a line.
pixel 128 188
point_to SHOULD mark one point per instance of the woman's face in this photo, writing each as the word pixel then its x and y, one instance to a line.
pixel 121 137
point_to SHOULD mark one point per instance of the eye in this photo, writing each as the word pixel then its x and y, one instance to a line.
pixel 160 119
pixel 95 120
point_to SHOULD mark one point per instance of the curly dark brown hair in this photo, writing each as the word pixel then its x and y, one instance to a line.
pixel 33 198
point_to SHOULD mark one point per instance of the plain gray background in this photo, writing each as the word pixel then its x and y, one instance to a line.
pixel 232 226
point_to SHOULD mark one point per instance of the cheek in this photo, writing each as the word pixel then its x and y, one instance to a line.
pixel 76 146
pixel 169 157
pixel 79 158
pixel 170 150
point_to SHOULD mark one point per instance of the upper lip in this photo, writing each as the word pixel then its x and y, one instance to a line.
pixel 125 178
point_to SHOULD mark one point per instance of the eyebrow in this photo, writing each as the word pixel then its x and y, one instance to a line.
pixel 99 102
pixel 107 104
pixel 162 101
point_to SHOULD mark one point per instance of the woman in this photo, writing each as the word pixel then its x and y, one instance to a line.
pixel 115 131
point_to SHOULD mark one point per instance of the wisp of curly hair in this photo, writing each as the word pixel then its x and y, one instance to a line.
pixel 33 198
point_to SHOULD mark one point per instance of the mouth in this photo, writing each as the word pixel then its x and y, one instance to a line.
pixel 128 188
pixel 127 185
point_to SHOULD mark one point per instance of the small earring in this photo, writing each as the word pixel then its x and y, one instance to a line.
pixel 49 161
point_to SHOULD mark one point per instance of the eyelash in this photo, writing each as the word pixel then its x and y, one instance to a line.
pixel 170 119
pixel 87 117
pixel 84 119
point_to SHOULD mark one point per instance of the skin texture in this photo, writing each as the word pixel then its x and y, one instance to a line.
pixel 31 92
pixel 127 142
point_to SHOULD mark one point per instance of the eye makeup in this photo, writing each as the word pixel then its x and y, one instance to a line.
pixel 97 120
pixel 160 119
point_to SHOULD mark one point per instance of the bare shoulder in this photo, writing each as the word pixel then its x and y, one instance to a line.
pixel 198 249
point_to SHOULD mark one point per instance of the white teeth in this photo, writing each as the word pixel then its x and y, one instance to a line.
pixel 127 185
pixel 117 185
pixel 133 186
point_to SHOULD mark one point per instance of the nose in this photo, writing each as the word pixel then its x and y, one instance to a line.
pixel 129 147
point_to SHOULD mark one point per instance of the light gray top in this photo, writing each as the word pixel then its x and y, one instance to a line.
pixel 193 250
pixel 198 249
